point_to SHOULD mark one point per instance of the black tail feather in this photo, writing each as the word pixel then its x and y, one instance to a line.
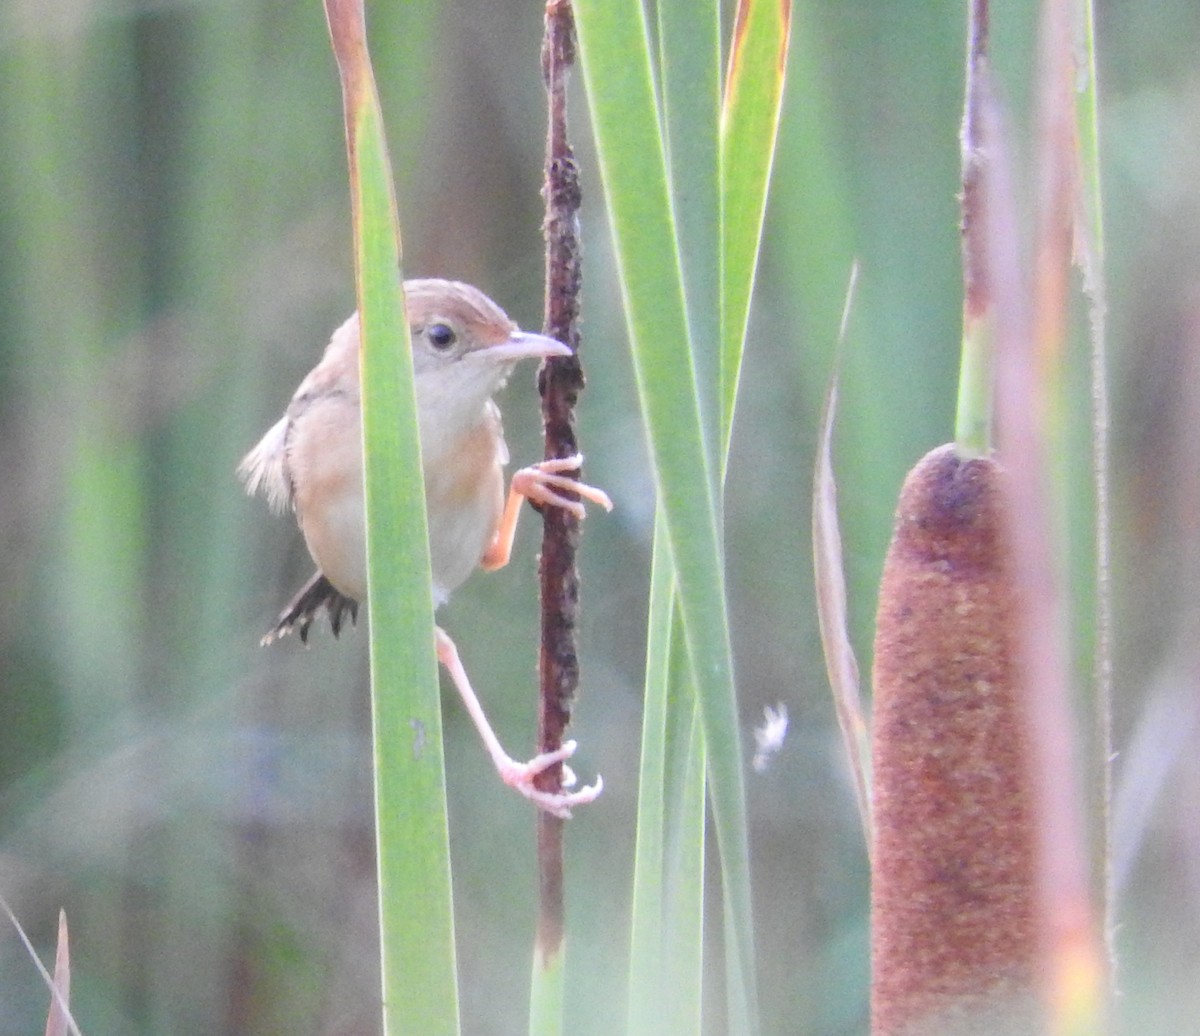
pixel 317 593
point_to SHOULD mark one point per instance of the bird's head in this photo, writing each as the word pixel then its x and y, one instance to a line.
pixel 464 345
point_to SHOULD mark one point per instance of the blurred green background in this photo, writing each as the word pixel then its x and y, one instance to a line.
pixel 174 251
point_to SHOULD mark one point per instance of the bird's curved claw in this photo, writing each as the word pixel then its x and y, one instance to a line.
pixel 544 483
pixel 520 777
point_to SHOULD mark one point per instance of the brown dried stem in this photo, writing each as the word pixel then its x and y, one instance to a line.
pixel 559 382
pixel 974 417
pixel 976 291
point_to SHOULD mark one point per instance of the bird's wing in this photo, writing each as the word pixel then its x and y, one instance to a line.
pixel 264 469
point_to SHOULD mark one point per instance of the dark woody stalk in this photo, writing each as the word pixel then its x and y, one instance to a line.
pixel 559 383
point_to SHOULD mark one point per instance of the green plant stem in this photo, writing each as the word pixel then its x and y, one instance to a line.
pixel 973 416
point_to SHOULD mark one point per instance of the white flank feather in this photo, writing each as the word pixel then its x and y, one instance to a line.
pixel 264 468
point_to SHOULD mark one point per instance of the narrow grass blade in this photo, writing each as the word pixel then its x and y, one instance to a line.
pixel 683 871
pixel 58 1019
pixel 689 45
pixel 646 961
pixel 749 128
pixel 666 952
pixel 417 927
pixel 1072 968
pixel 1089 255
pixel 616 64
pixel 1076 964
pixel 830 579
pixel 666 959
pixel 59 992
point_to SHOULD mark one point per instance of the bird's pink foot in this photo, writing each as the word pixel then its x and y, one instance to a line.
pixel 520 776
pixel 545 482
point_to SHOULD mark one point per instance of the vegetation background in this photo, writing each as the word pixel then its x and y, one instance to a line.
pixel 174 251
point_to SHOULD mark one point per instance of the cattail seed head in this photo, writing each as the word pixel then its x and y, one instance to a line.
pixel 954 941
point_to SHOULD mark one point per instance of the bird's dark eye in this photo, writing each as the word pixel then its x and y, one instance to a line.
pixel 441 336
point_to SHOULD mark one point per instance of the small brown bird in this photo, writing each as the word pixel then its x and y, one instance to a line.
pixel 464 347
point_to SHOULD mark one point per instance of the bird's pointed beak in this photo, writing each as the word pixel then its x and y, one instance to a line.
pixel 523 345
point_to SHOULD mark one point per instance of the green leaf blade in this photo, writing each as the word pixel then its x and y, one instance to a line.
pixel 749 130
pixel 413 846
pixel 689 33
pixel 412 841
pixel 621 94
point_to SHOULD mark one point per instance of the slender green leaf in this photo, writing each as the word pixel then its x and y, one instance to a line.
pixel 832 613
pixel 749 128
pixel 616 63
pixel 666 961
pixel 413 840
pixel 417 925
pixel 683 869
pixel 689 38
pixel 666 955
pixel 646 962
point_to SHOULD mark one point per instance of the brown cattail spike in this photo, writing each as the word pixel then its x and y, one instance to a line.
pixel 954 943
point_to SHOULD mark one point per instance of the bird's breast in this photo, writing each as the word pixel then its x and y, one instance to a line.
pixel 464 492
pixel 464 497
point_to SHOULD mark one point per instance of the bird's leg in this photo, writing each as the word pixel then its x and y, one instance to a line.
pixel 516 775
pixel 543 483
